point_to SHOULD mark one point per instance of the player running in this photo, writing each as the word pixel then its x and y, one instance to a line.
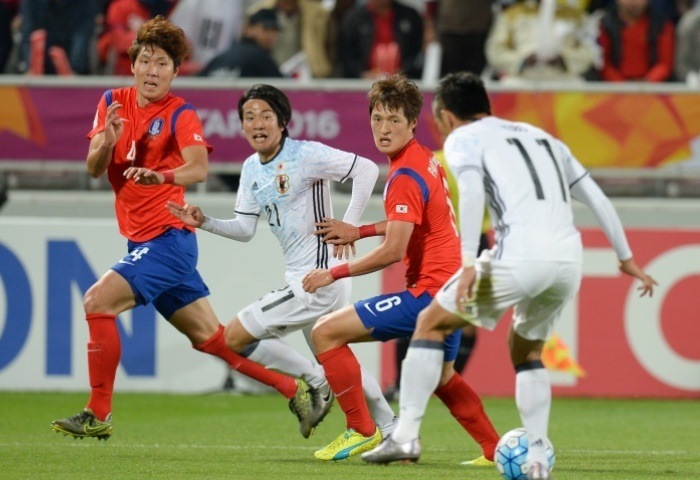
pixel 150 144
pixel 420 229
pixel 288 181
pixel 527 178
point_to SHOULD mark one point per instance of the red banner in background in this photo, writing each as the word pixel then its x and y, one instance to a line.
pixel 628 346
pixel 49 123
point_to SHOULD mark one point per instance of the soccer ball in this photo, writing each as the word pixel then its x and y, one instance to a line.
pixel 511 454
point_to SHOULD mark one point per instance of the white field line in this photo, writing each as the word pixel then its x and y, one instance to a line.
pixel 89 443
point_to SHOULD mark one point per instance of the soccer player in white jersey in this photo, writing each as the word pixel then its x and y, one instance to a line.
pixel 289 181
pixel 527 178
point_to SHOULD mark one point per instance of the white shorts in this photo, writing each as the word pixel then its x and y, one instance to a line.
pixel 538 291
pixel 290 308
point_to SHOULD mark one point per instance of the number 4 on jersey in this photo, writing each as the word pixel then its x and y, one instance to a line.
pixel 131 156
pixel 138 253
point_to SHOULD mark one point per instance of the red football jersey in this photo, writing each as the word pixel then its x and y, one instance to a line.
pixel 416 191
pixel 153 138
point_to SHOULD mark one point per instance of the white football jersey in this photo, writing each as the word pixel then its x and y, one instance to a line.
pixel 293 191
pixel 211 26
pixel 526 176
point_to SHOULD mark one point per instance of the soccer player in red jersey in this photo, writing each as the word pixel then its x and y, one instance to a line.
pixel 150 144
pixel 421 231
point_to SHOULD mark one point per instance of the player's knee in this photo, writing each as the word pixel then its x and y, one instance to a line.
pixel 92 300
pixel 428 326
pixel 321 335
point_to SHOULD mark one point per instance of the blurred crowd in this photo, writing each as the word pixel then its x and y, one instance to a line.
pixel 506 40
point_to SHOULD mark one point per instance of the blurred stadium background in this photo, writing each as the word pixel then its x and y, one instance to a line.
pixel 57 233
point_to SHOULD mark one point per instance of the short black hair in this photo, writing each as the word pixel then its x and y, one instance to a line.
pixel 278 101
pixel 464 94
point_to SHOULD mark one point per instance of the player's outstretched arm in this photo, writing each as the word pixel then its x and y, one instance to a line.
pixel 631 268
pixel 589 193
pixel 337 232
pixel 191 215
pixel 193 171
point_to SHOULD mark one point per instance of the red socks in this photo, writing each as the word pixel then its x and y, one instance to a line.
pixel 104 350
pixel 345 378
pixel 216 346
pixel 465 405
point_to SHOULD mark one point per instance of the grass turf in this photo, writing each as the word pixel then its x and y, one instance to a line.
pixel 256 437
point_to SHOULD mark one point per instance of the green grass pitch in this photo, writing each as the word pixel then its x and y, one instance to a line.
pixel 255 437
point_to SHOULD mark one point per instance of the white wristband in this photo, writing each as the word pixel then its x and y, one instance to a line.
pixel 468 262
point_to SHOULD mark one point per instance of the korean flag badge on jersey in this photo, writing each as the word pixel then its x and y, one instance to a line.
pixel 401 208
pixel 156 126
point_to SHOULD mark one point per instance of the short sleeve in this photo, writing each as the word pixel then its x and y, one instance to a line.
pixel 406 196
pixel 98 124
pixel 187 128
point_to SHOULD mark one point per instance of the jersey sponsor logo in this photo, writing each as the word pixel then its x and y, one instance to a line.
pixel 255 186
pixel 282 183
pixel 156 126
pixel 401 208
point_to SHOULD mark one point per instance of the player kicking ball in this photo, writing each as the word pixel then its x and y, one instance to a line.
pixel 419 230
pixel 528 179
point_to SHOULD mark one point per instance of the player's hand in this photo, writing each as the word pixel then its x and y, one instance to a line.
pixel 336 232
pixel 465 289
pixel 316 279
pixel 114 126
pixel 144 176
pixel 630 267
pixel 190 215
pixel 344 251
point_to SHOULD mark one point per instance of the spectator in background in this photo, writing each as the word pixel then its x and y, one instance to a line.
pixel 68 24
pixel 688 46
pixel 303 31
pixel 637 42
pixel 251 56
pixel 672 9
pixel 541 40
pixel 340 8
pixel 211 26
pixel 122 21
pixel 462 28
pixel 8 11
pixel 380 37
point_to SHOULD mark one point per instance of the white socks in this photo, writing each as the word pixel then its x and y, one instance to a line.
pixel 533 396
pixel 379 409
pixel 420 376
pixel 275 354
